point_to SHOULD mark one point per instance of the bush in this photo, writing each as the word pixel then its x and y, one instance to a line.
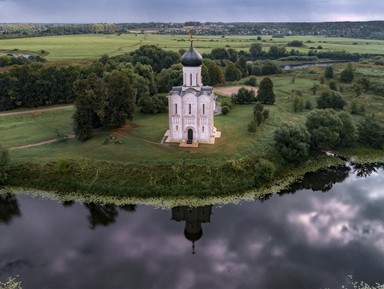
pixel 243 96
pixel 328 73
pixel 225 109
pixel 252 81
pixel 331 99
pixel 264 170
pixel 4 163
pixel 266 113
pixel 371 132
pixel 298 103
pixel 292 143
pixel 252 126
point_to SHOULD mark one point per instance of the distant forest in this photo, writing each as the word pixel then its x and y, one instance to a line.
pixel 363 30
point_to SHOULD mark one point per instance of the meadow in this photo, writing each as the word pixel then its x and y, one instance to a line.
pixel 80 48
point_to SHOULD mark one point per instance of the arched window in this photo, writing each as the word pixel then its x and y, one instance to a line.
pixel 175 108
pixel 203 108
pixel 197 79
pixel 177 127
pixel 190 76
pixel 203 128
pixel 190 108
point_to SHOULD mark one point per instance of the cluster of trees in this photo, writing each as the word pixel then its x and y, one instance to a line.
pixel 35 85
pixel 4 163
pixel 326 129
pixel 108 100
pixel 10 59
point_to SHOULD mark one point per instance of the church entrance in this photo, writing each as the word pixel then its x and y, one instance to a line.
pixel 190 136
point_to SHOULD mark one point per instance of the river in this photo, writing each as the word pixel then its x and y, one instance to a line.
pixel 315 235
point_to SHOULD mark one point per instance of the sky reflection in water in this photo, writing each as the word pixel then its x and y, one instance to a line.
pixel 302 240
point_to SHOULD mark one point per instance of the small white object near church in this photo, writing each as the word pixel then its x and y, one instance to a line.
pixel 191 106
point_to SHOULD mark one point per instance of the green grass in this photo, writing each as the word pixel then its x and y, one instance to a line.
pixel 34 128
pixel 72 48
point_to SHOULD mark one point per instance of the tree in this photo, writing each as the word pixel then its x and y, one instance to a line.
pixel 348 131
pixel 206 79
pixel 216 74
pixel 328 73
pixel 292 142
pixel 121 97
pixel 264 170
pixel 242 65
pixel 154 104
pixel 347 75
pixel 219 53
pixel 265 93
pixel 91 101
pixel 232 73
pixel 170 77
pixel 324 127
pixel 298 103
pixel 371 132
pixel 4 164
pixel 256 50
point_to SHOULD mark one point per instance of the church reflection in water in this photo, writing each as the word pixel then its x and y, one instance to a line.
pixel 193 218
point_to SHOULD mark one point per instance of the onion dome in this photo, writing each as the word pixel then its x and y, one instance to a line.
pixel 191 58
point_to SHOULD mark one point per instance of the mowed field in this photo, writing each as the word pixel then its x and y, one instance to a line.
pixel 73 48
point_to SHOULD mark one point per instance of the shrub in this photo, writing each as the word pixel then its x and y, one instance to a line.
pixel 252 126
pixel 243 96
pixel 292 142
pixel 331 99
pixel 264 170
pixel 266 113
pixel 225 109
pixel 298 103
pixel 371 132
pixel 328 73
pixel 4 163
pixel 252 81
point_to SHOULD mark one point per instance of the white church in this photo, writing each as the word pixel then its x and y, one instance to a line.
pixel 191 106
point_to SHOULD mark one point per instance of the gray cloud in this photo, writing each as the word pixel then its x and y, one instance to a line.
pixel 179 11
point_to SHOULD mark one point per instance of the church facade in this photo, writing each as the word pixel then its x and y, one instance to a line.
pixel 192 105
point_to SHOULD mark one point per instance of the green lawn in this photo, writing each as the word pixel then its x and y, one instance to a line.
pixel 72 48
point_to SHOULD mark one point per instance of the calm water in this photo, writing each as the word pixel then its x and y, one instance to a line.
pixel 331 227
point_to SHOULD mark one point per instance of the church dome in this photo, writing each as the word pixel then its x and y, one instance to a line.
pixel 191 58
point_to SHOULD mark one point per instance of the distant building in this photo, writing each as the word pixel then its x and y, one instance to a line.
pixel 191 106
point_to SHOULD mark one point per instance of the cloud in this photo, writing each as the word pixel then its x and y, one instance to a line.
pixel 81 11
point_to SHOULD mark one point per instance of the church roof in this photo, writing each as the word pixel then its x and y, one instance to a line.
pixel 191 58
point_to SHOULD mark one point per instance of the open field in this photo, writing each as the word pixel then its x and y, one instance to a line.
pixel 74 48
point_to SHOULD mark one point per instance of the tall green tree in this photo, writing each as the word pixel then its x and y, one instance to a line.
pixel 265 94
pixel 242 65
pixel 232 73
pixel 347 75
pixel 256 50
pixel 216 74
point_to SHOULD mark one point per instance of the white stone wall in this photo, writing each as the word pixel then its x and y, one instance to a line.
pixel 192 76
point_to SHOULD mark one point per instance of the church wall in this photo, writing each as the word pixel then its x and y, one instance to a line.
pixel 175 119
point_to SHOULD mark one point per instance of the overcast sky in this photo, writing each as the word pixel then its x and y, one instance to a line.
pixel 115 11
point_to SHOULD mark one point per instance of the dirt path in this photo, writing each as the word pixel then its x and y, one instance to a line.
pixel 70 136
pixel 228 90
pixel 30 111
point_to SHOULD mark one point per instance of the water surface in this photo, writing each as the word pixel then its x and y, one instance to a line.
pixel 312 236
